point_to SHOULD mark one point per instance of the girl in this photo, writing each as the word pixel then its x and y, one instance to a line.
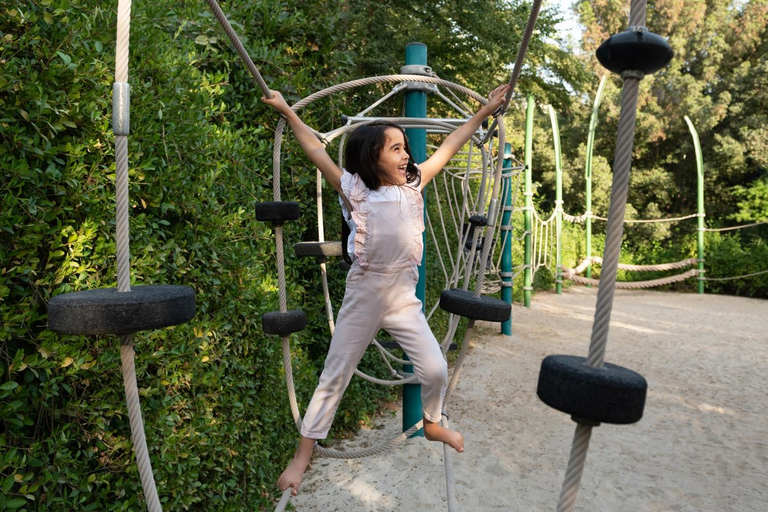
pixel 383 186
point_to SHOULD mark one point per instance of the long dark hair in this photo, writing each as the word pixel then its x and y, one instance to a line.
pixel 364 148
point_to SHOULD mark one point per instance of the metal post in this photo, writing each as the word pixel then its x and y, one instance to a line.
pixel 558 202
pixel 416 106
pixel 699 200
pixel 528 276
pixel 588 172
pixel 506 238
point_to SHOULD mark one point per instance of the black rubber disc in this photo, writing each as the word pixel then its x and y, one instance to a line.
pixel 611 394
pixel 283 324
pixel 277 212
pixel 639 50
pixel 107 311
pixel 322 249
pixel 464 303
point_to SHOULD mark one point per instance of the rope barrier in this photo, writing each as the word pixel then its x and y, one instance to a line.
pixel 735 277
pixel 737 227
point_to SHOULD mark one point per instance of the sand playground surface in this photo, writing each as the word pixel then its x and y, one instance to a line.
pixel 702 444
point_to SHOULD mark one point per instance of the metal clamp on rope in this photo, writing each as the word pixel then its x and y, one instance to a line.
pixel 493 212
pixel 509 275
pixel 121 108
pixel 418 69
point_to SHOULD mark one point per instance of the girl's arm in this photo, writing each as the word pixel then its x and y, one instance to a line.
pixel 456 140
pixel 314 149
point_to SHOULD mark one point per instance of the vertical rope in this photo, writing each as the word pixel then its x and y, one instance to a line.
pixel 121 214
pixel 619 191
pixel 137 425
pixel 575 468
pixel 615 229
pixel 124 269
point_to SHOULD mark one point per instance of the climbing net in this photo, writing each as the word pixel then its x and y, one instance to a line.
pixel 470 187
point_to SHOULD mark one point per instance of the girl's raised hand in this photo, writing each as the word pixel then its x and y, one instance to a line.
pixel 277 102
pixel 497 97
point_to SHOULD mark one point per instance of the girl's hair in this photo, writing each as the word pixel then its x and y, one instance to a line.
pixel 364 148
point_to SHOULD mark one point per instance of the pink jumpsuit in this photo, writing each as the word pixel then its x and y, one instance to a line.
pixel 380 294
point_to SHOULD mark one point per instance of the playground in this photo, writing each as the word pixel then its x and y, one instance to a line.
pixel 702 443
pixel 176 268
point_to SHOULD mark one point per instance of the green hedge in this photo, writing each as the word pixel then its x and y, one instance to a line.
pixel 213 397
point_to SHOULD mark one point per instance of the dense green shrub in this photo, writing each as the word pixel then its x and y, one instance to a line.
pixel 213 397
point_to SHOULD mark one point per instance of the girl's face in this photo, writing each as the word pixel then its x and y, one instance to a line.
pixel 394 158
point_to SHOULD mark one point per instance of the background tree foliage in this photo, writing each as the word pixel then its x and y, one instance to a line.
pixel 213 398
pixel 717 78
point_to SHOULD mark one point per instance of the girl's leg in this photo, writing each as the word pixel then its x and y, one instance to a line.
pixel 407 323
pixel 357 325
pixel 293 474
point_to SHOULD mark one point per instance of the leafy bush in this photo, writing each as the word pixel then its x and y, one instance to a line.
pixel 213 396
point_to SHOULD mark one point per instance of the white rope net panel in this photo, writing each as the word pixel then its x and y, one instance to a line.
pixel 486 204
pixel 470 185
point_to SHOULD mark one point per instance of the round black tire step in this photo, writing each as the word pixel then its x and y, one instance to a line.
pixel 611 394
pixel 106 311
pixel 277 212
pixel 464 303
pixel 283 324
pixel 634 50
pixel 320 249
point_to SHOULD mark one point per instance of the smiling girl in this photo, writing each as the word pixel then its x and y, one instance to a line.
pixel 383 187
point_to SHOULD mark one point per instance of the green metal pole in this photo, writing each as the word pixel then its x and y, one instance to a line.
pixel 588 172
pixel 558 202
pixel 699 200
pixel 528 194
pixel 416 106
pixel 506 239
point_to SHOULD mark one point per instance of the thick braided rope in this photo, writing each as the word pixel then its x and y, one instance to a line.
pixel 651 221
pixel 636 268
pixel 521 51
pixel 137 425
pixel 619 192
pixel 360 82
pixel 124 270
pixel 123 249
pixel 734 277
pixel 244 57
pixel 450 480
pixel 737 227
pixel 359 454
pixel 635 285
pixel 575 470
pixel 284 500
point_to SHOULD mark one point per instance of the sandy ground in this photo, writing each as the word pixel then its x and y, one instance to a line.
pixel 702 444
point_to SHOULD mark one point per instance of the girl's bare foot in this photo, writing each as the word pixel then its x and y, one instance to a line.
pixel 293 474
pixel 436 432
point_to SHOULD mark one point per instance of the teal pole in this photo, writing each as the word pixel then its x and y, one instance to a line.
pixel 588 173
pixel 528 194
pixel 506 239
pixel 416 106
pixel 558 202
pixel 699 200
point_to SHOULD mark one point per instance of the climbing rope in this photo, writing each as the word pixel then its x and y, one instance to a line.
pixel 121 121
pixel 619 191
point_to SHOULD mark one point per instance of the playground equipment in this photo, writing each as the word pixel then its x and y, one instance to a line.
pixel 543 243
pixel 567 383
